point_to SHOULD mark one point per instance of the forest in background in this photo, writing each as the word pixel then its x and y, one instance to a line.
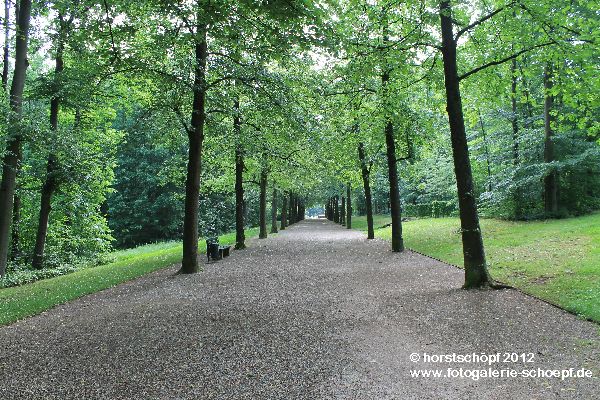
pixel 129 111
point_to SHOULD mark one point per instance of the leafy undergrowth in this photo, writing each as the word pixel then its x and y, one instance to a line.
pixel 23 301
pixel 556 260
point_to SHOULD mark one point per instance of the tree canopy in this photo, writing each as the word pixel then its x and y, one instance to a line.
pixel 126 123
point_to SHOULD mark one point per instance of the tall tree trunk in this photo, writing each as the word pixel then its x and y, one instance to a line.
pixel 336 210
pixel 296 219
pixel 331 209
pixel 45 207
pixel 551 179
pixel 395 209
pixel 284 211
pixel 189 262
pixel 240 237
pixel 13 145
pixel 343 211
pixel 349 207
pixel 515 134
pixel 6 47
pixel 487 152
pixel 367 188
pixel 51 165
pixel 15 252
pixel 274 212
pixel 515 116
pixel 262 215
pixel 291 216
pixel 476 273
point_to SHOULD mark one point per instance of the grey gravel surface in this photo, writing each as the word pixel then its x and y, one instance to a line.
pixel 315 312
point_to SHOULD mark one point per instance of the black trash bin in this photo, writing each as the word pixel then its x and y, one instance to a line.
pixel 212 249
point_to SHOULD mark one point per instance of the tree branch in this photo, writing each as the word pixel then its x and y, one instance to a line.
pixel 222 79
pixel 182 120
pixel 352 91
pixel 112 38
pixel 425 75
pixel 502 61
pixel 482 20
pixel 424 44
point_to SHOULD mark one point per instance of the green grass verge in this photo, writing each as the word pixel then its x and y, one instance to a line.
pixel 24 301
pixel 555 260
pixel 379 221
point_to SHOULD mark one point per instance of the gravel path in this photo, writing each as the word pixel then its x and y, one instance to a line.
pixel 315 312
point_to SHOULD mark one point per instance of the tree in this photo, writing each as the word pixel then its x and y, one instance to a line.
pixel 6 54
pixel 476 274
pixel 284 216
pixel 12 157
pixel 349 207
pixel 274 211
pixel 189 263
pixel 366 172
pixel 551 179
pixel 263 203
pixel 51 183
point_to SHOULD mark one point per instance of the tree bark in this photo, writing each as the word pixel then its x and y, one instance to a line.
pixel 240 237
pixel 296 205
pixel 487 153
pixel 515 134
pixel 262 215
pixel 515 117
pixel 367 188
pixel 189 262
pixel 476 273
pixel 331 209
pixel 291 206
pixel 284 211
pixel 343 212
pixel 6 46
pixel 45 207
pixel 274 212
pixel 349 207
pixel 15 252
pixel 336 210
pixel 551 179
pixel 395 210
pixel 13 145
pixel 51 182
pixel 394 203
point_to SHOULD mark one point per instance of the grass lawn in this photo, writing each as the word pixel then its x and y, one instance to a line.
pixel 556 260
pixel 379 221
pixel 23 301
